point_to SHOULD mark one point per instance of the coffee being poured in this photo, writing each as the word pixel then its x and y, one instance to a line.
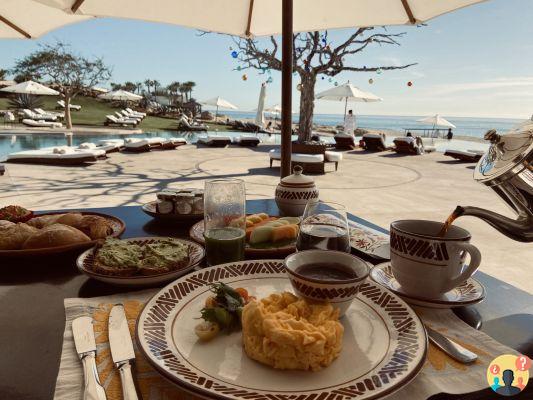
pixel 449 221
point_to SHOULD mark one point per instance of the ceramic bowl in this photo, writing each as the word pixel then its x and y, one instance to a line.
pixel 338 292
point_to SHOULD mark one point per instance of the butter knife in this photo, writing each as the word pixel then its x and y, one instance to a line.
pixel 122 351
pixel 82 329
pixel 453 349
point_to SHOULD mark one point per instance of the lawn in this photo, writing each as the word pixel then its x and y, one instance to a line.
pixel 93 113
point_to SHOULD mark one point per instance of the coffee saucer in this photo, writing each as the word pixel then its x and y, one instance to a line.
pixel 468 293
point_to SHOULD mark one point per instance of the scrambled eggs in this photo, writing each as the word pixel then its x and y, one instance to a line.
pixel 286 332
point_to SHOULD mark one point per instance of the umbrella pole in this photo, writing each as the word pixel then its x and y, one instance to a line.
pixel 216 114
pixel 345 108
pixel 286 87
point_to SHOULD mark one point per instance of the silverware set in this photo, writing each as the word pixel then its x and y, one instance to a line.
pixel 121 352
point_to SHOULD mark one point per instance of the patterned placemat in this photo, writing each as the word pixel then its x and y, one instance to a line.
pixel 369 241
pixel 439 374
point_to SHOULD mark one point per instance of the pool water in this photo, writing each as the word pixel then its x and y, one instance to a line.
pixel 11 143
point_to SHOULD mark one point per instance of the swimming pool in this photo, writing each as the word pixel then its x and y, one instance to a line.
pixel 10 143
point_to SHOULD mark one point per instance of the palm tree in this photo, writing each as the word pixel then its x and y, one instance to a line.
pixel 129 86
pixel 148 83
pixel 138 87
pixel 116 86
pixel 173 89
pixel 183 91
pixel 190 86
pixel 3 74
pixel 156 84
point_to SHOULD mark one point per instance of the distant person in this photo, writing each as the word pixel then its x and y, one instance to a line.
pixel 450 134
pixel 508 389
pixel 496 383
pixel 349 123
pixel 409 134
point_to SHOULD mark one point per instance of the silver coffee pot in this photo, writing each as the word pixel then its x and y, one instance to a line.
pixel 507 168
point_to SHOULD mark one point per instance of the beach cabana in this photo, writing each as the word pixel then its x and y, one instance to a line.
pixel 261 18
pixel 436 121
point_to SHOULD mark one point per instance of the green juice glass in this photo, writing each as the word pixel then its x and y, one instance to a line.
pixel 224 220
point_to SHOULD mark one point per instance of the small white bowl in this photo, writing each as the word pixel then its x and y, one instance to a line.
pixel 338 292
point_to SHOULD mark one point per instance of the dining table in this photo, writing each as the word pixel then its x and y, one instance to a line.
pixel 33 290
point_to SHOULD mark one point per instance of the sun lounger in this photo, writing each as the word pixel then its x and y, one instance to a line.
pixel 110 145
pixel 408 145
pixel 373 142
pixel 247 141
pixel 41 124
pixel 214 141
pixel 184 125
pixel 139 145
pixel 135 112
pixel 344 141
pixel 171 144
pixel 61 105
pixel 88 148
pixel 311 163
pixel 463 155
pixel 40 111
pixel 56 156
pixel 111 119
pixel 121 116
pixel 29 114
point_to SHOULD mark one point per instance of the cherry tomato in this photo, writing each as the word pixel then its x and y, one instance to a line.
pixel 210 302
pixel 243 293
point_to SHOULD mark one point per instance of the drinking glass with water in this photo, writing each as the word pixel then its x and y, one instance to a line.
pixel 224 220
pixel 324 226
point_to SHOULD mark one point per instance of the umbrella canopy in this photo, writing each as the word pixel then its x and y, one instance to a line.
pixel 275 109
pixel 263 17
pixel 120 95
pixel 219 102
pixel 260 116
pixel 347 92
pixel 30 87
pixel 27 19
pixel 436 120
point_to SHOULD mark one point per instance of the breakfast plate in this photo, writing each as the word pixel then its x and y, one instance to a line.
pixel 117 227
pixel 468 293
pixel 150 209
pixel 369 241
pixel 270 250
pixel 196 253
pixel 384 343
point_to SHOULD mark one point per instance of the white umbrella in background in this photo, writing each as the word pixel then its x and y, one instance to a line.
pixel 30 87
pixel 249 18
pixel 120 95
pixel 100 89
pixel 436 120
pixel 347 92
pixel 260 116
pixel 27 19
pixel 218 102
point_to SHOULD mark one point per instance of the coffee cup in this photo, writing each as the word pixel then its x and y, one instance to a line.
pixel 427 265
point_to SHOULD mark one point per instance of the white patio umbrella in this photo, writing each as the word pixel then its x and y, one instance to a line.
pixel 219 102
pixel 27 19
pixel 30 87
pixel 347 92
pixel 120 95
pixel 250 18
pixel 436 120
pixel 260 115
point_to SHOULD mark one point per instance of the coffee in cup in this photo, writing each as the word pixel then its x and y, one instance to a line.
pixel 427 265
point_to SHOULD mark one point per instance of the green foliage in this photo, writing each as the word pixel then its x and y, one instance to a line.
pixel 21 101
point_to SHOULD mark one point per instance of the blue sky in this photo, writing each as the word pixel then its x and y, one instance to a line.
pixel 477 61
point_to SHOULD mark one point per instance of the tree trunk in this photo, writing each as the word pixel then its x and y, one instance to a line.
pixel 68 119
pixel 307 105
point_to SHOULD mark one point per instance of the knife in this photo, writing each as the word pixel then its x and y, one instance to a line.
pixel 453 349
pixel 82 329
pixel 122 351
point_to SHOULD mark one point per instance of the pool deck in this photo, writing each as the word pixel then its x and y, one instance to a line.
pixel 380 187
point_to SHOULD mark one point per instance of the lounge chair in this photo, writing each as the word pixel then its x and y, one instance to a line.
pixel 344 141
pixel 311 163
pixel 214 141
pixel 41 112
pixel 135 112
pixel 41 124
pixel 171 144
pixel 463 155
pixel 373 142
pixel 91 148
pixel 111 119
pixel 127 115
pixel 110 145
pixel 121 116
pixel 247 141
pixel 29 114
pixel 185 125
pixel 408 145
pixel 139 145
pixel 61 105
pixel 56 156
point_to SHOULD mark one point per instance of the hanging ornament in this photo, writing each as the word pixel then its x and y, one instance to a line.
pixel 323 78
pixel 270 80
pixel 336 83
pixel 409 83
pixel 299 87
pixel 234 54
pixel 269 72
pixel 379 71
pixel 231 48
pixel 330 80
pixel 244 77
pixel 371 81
pixel 239 67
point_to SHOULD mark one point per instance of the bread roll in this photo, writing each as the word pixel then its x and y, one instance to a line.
pixel 70 219
pixel 13 237
pixel 44 220
pixel 95 227
pixel 54 236
pixel 4 224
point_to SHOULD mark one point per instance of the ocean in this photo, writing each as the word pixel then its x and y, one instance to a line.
pixel 466 126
